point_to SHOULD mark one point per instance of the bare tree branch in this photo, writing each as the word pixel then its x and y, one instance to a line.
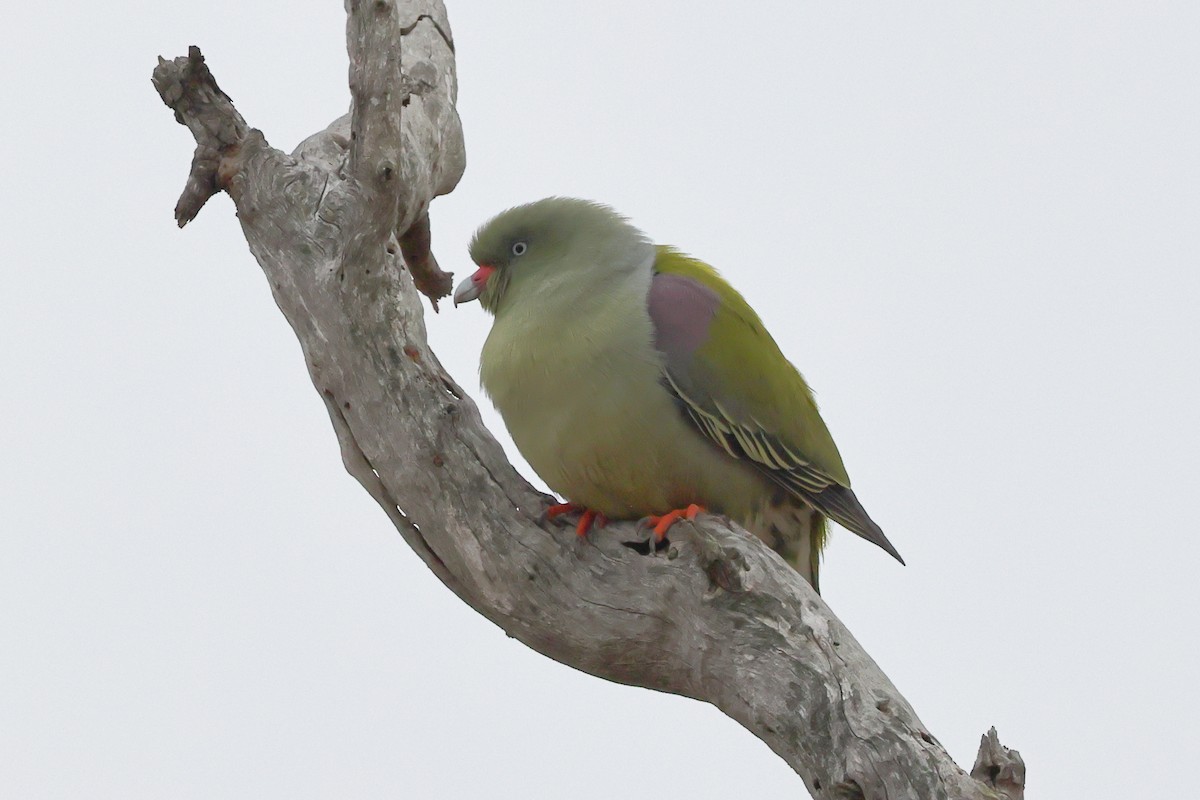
pixel 717 616
pixel 190 89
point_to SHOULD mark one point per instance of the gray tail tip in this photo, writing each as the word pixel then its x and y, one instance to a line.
pixel 840 504
pixel 875 536
pixel 892 551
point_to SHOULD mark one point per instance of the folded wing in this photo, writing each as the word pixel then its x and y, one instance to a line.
pixel 738 390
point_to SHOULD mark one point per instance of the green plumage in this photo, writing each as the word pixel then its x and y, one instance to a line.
pixel 744 369
pixel 635 380
pixel 743 380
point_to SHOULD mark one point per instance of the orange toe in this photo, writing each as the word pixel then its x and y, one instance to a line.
pixel 558 509
pixel 588 518
pixel 663 524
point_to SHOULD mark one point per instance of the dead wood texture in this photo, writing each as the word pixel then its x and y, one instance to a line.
pixel 341 229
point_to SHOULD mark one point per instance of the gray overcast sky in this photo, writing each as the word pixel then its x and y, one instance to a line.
pixel 972 225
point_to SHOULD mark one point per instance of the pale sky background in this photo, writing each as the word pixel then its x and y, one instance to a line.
pixel 972 225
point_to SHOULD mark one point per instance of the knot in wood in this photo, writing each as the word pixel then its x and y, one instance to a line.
pixel 725 565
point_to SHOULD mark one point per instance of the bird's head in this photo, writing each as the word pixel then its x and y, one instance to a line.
pixel 556 243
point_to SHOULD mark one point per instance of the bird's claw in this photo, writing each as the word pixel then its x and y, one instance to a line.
pixel 656 526
pixel 662 524
pixel 588 518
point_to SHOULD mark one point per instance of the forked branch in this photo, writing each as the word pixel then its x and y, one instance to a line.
pixel 341 229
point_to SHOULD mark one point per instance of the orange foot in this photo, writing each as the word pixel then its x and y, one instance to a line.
pixel 588 518
pixel 663 524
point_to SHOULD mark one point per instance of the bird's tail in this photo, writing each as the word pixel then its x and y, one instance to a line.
pixel 840 504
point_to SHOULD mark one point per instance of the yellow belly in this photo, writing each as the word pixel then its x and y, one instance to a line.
pixel 587 411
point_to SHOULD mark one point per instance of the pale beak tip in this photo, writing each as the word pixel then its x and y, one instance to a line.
pixel 466 291
pixel 473 286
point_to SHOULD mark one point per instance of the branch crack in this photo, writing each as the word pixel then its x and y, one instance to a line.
pixel 360 467
pixel 436 25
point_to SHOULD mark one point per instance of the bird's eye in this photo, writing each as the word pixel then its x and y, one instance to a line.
pixel 519 248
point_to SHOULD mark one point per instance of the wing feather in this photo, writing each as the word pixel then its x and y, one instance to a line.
pixel 725 400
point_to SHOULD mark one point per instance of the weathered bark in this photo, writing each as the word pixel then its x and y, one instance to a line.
pixel 341 229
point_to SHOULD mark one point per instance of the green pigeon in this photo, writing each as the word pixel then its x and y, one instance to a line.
pixel 638 383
